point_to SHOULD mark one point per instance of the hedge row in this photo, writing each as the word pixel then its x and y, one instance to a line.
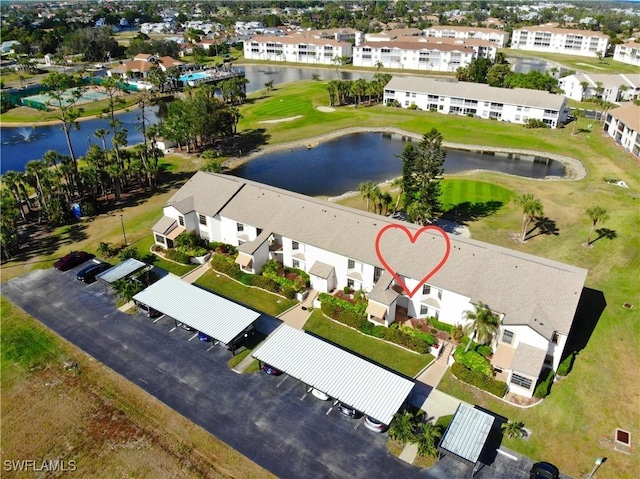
pixel 349 314
pixel 479 380
pixel 441 326
pixel 566 365
pixel 360 307
pixel 416 333
pixel 178 256
pixel 227 266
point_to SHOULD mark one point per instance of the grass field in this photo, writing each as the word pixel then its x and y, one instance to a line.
pixel 89 414
pixel 253 297
pixel 393 357
pixel 456 191
pixel 602 391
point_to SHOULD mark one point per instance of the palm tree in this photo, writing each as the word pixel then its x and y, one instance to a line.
pixel 576 114
pixel 366 189
pixel 397 184
pixel 531 207
pixel 428 439
pixel 269 86
pixel 379 65
pixel 402 427
pixel 484 324
pixel 513 429
pixel 387 201
pixel 596 214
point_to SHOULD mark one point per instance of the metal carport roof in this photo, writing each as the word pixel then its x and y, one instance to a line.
pixel 122 270
pixel 361 384
pixel 466 435
pixel 209 313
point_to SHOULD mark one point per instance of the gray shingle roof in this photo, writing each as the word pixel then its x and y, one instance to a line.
pixel 165 225
pixel 528 360
pixel 502 278
pixel 476 91
pixel 381 292
pixel 208 199
pixel 321 270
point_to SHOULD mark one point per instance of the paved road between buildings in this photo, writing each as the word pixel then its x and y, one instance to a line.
pixel 268 419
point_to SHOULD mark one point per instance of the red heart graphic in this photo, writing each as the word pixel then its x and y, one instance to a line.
pixel 413 239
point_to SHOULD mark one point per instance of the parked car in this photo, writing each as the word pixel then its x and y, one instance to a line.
pixel 544 470
pixel 271 370
pixel 374 425
pixel 203 337
pixel 348 411
pixel 319 394
pixel 147 311
pixel 186 327
pixel 72 260
pixel 88 274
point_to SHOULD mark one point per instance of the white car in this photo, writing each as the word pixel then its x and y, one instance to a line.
pixel 373 425
pixel 319 394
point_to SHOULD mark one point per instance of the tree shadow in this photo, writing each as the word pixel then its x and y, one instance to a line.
pixel 545 226
pixel 243 143
pixel 467 211
pixel 604 233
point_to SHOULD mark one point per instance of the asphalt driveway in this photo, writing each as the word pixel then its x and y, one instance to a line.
pixel 268 419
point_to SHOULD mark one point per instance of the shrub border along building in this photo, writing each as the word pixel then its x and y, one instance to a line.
pixel 479 380
pixel 355 316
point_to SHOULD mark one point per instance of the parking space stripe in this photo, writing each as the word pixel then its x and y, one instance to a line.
pixel 193 337
pixel 172 329
pixel 158 319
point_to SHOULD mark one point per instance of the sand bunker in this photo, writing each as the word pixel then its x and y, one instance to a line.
pixel 282 120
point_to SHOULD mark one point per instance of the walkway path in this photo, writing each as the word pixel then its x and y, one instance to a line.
pixel 195 273
pixel 299 314
pixel 432 375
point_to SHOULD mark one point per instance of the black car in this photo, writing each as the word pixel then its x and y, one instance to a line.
pixel 72 260
pixel 88 274
pixel 544 470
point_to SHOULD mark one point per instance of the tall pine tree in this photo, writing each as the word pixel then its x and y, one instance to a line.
pixel 421 174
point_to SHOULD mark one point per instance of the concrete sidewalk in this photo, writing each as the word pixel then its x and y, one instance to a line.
pixel 194 274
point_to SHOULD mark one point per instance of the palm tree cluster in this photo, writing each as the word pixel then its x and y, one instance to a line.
pixel 483 324
pixel 531 209
pixel 199 119
pixel 407 427
pixel 343 92
pixel 381 200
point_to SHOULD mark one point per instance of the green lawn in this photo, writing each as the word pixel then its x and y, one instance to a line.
pixel 393 357
pixel 457 191
pixel 253 297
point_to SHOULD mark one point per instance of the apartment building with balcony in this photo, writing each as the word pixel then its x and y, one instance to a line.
pixel 551 39
pixel 473 99
pixel 536 298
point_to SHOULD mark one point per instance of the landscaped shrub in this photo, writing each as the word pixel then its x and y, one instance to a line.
pixel 187 240
pixel 263 282
pixel 479 380
pixel 473 360
pixel 416 333
pixel 288 292
pixel 374 330
pixel 178 256
pixel 414 343
pixel 361 307
pixel 566 365
pixel 226 265
pixel 544 387
pixel 535 123
pixel 441 326
pixel 484 350
pixel 129 252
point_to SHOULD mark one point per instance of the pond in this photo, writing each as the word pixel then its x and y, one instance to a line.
pixel 22 144
pixel 334 167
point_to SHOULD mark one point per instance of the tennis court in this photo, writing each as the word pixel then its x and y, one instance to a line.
pixel 42 100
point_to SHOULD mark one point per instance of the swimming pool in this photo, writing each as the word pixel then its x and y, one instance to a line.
pixel 194 76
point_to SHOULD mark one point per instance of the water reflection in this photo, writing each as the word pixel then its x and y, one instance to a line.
pixel 340 165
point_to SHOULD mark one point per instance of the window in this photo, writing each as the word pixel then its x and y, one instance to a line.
pixel 521 381
pixel 240 227
pixel 160 239
pixel 377 272
pixel 181 220
pixel 351 264
pixel 203 219
pixel 295 245
pixel 424 310
pixel 295 263
pixel 426 289
pixel 507 336
pixel 351 283
pixel 439 294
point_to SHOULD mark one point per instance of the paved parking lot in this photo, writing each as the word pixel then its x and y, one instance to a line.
pixel 271 420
